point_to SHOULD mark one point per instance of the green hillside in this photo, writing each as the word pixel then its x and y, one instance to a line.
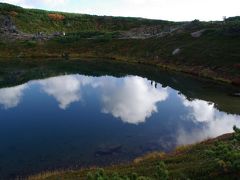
pixel 38 44
pixel 33 20
pixel 206 49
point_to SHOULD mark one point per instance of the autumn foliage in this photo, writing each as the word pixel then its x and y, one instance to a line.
pixel 56 17
pixel 13 13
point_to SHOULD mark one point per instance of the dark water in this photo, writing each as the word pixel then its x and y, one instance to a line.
pixel 77 120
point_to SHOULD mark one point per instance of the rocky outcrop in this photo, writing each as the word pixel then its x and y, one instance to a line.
pixel 7 25
pixel 198 34
pixel 151 31
pixel 176 51
pixel 9 31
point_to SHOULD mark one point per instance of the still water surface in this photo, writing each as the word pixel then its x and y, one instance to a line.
pixel 78 120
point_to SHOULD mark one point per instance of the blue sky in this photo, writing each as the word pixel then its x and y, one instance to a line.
pixel 177 10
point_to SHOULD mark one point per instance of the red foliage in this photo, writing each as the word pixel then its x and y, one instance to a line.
pixel 56 17
pixel 13 13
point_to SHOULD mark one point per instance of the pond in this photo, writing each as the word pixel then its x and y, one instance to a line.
pixel 75 120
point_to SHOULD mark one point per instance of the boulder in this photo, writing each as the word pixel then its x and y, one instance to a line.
pixel 176 51
pixel 108 150
pixel 198 34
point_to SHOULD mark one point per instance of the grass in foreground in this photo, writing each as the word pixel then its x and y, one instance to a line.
pixel 217 158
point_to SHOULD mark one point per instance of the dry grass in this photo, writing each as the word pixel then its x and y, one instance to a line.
pixel 152 155
pixel 45 175
pixel 182 149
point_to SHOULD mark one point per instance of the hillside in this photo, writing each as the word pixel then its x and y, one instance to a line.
pixel 217 158
pixel 206 49
pixel 33 21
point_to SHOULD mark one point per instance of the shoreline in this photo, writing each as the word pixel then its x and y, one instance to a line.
pixel 145 160
pixel 195 71
pixel 198 61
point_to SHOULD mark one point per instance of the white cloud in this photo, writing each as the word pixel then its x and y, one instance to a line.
pixel 38 4
pixel 213 122
pixel 12 1
pixel 65 89
pixel 156 9
pixel 54 3
pixel 22 3
pixel 133 100
pixel 179 10
pixel 11 97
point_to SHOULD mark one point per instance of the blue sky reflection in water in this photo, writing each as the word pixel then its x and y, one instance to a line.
pixel 79 120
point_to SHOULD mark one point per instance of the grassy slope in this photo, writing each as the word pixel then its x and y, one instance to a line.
pixel 212 159
pixel 214 55
pixel 33 20
pixel 211 56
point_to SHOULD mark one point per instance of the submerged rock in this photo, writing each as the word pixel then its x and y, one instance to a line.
pixel 108 150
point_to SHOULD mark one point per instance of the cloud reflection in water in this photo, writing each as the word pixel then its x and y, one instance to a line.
pixel 211 121
pixel 11 97
pixel 133 100
pixel 65 89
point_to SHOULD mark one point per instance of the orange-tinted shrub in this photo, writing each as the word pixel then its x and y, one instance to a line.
pixel 149 156
pixel 56 17
pixel 13 13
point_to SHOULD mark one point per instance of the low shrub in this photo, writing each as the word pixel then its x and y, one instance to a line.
pixel 227 155
pixel 161 173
